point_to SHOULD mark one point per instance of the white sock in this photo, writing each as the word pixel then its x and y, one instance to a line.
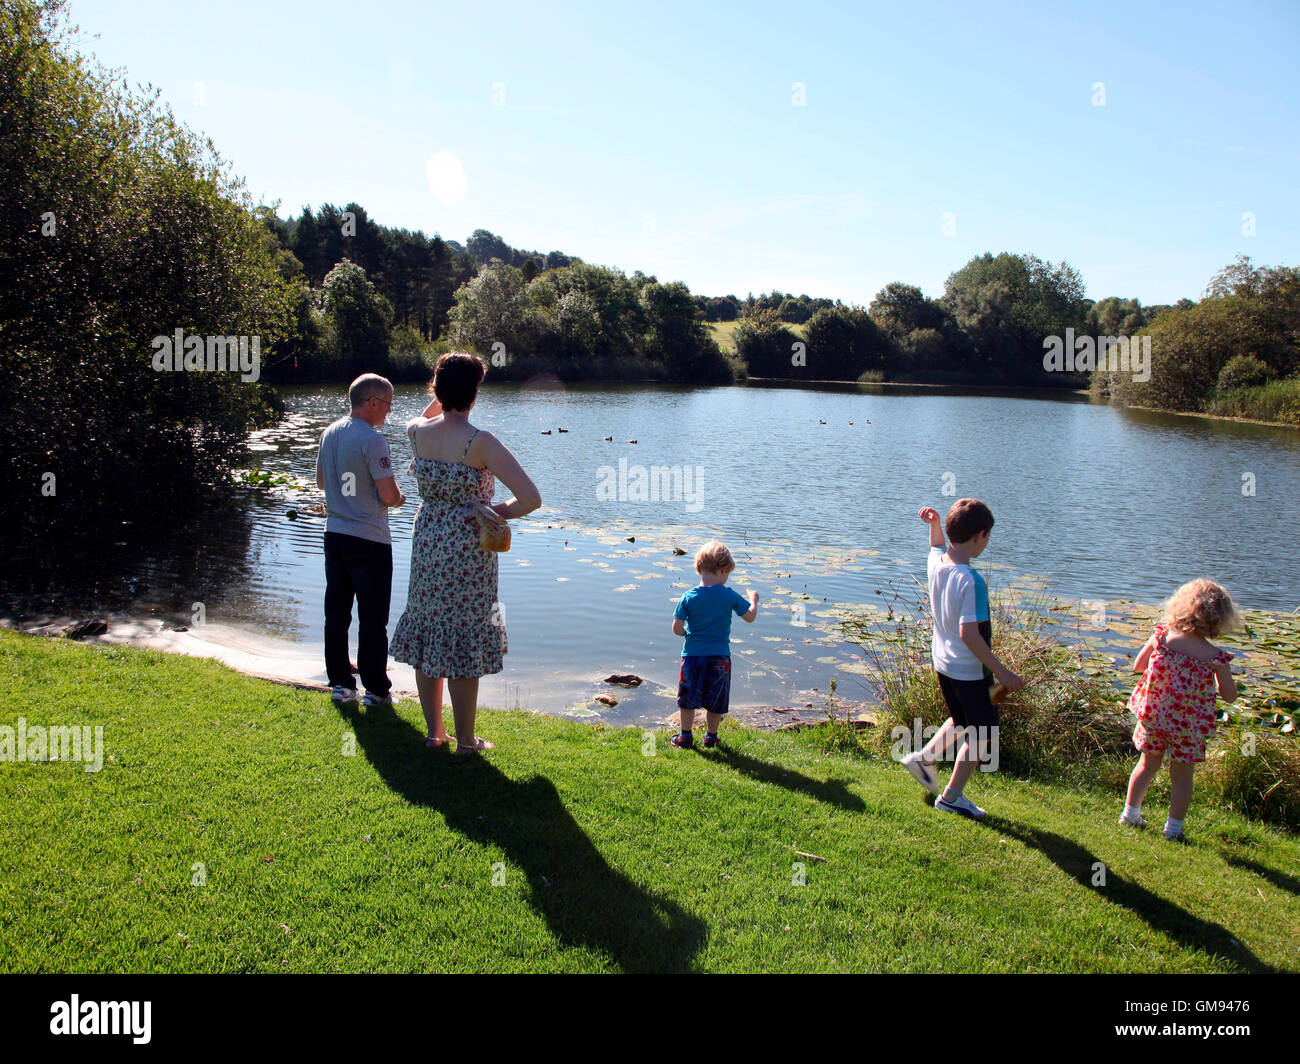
pixel 1173 827
pixel 1132 812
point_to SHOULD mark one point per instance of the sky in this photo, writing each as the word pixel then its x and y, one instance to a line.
pixel 818 148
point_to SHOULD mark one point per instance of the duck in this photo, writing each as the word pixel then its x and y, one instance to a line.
pixel 609 439
pixel 546 432
pixel 631 441
pixel 561 430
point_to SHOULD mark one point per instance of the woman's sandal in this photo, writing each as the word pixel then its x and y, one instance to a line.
pixel 477 746
pixel 432 742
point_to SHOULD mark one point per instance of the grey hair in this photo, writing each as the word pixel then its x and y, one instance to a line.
pixel 366 387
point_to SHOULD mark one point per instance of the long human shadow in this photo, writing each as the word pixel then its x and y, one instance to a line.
pixel 1278 879
pixel 1163 915
pixel 836 792
pixel 584 901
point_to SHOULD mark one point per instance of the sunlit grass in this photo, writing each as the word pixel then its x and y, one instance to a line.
pixel 242 826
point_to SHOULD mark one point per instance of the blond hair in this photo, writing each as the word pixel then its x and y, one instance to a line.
pixel 1201 607
pixel 714 557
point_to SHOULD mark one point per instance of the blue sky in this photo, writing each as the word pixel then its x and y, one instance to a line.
pixel 668 137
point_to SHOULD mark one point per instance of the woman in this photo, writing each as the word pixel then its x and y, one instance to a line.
pixel 454 626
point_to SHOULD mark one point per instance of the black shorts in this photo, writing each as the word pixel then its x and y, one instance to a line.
pixel 704 682
pixel 968 702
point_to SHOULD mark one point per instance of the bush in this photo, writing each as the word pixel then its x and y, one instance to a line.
pixel 1243 371
pixel 1063 725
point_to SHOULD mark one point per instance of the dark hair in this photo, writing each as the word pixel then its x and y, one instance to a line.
pixel 456 378
pixel 967 519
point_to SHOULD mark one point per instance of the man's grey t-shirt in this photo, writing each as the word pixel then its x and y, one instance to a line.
pixel 352 506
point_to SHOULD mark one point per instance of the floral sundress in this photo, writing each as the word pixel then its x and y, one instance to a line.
pixel 454 624
pixel 1174 702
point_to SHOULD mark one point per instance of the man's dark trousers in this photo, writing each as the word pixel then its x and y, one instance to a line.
pixel 361 569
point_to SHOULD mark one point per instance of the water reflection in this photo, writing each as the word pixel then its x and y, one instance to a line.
pixel 815 490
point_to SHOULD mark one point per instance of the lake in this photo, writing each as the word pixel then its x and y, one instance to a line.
pixel 814 490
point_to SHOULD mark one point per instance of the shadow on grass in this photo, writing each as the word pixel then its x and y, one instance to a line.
pixel 584 901
pixel 1164 916
pixel 836 792
pixel 1278 879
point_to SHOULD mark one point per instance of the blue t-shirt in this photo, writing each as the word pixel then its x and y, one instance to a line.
pixel 707 612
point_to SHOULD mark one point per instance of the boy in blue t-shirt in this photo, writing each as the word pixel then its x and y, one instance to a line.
pixel 703 616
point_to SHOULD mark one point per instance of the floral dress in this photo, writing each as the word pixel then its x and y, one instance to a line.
pixel 1174 702
pixel 454 624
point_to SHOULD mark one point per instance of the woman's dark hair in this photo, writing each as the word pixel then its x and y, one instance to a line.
pixel 967 519
pixel 456 378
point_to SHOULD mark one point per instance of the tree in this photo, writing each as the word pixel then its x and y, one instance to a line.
pixel 1007 305
pixel 360 317
pixel 488 309
pixel 843 343
pixel 125 227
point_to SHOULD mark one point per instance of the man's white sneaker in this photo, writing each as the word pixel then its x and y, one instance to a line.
pixel 375 702
pixel 922 772
pixel 962 805
pixel 345 696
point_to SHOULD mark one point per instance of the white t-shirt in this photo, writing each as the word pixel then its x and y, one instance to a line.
pixel 957 594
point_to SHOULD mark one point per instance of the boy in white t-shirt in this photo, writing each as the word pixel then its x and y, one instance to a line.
pixel 960 651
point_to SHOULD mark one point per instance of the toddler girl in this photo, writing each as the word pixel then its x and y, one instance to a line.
pixel 1174 701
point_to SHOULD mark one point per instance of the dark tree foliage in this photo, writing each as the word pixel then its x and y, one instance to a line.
pixel 769 348
pixel 844 343
pixel 122 228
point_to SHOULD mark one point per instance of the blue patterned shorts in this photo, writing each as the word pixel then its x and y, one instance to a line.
pixel 705 682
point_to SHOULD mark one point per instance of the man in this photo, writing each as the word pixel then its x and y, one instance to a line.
pixel 355 471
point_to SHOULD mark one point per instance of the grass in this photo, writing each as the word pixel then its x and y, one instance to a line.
pixel 1277 402
pixel 231 830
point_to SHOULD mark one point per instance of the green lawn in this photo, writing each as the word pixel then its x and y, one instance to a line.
pixel 231 830
pixel 725 332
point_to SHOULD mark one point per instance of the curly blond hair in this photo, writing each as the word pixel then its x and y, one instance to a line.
pixel 714 557
pixel 1201 607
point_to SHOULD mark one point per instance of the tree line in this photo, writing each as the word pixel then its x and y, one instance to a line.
pixel 126 228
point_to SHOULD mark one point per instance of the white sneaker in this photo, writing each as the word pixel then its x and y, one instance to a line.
pixel 345 696
pixel 1137 822
pixel 962 805
pixel 375 702
pixel 922 772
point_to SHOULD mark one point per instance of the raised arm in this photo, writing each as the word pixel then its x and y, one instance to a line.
pixel 752 612
pixel 506 468
pixel 930 516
